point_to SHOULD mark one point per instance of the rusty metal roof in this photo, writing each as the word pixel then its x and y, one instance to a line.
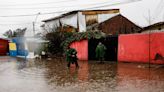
pixel 154 25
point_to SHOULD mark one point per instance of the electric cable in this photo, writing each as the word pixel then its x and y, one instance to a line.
pixel 38 3
pixel 89 8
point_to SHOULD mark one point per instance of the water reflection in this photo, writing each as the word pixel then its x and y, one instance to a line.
pixel 140 78
pixel 17 75
pixel 83 71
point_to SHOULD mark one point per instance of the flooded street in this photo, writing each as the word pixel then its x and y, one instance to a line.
pixel 18 75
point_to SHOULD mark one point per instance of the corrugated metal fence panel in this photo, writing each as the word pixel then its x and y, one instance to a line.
pixel 137 47
pixel 133 48
pixel 82 49
pixel 157 46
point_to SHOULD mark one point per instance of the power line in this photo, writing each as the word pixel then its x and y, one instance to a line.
pixel 56 6
pixel 114 4
pixel 38 3
pixel 25 15
pixel 20 23
pixel 93 4
pixel 100 6
pixel 15 24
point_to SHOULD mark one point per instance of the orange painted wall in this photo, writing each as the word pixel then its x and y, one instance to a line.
pixel 82 49
pixel 135 47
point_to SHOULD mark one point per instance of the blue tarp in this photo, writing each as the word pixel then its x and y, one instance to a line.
pixel 13 53
pixel 20 43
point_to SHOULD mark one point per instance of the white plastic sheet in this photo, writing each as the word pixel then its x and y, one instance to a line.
pixel 81 22
pixel 70 20
pixel 104 17
pixel 52 24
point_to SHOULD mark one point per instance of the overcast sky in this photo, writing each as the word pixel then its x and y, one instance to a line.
pixel 11 11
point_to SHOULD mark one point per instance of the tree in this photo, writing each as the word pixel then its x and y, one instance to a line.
pixel 16 33
pixel 8 33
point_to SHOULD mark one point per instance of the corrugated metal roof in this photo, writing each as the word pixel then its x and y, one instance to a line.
pixel 154 25
pixel 60 16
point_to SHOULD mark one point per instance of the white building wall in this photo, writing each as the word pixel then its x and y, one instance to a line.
pixel 81 22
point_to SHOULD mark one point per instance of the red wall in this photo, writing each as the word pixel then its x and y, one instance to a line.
pixel 82 49
pixel 135 47
pixel 3 47
pixel 157 46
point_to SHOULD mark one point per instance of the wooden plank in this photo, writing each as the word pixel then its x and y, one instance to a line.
pixel 100 12
pixel 91 19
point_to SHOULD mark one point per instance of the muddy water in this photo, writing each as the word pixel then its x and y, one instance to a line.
pixel 17 75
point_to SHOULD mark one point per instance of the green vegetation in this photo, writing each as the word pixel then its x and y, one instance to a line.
pixel 60 38
pixel 59 41
pixel 81 36
pixel 55 39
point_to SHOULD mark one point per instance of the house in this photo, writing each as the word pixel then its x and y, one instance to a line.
pixel 80 21
pixel 4 46
pixel 157 27
pixel 119 25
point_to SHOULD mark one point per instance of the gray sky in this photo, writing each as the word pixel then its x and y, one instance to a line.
pixel 137 12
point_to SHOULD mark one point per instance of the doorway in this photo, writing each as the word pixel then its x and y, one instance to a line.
pixel 111 43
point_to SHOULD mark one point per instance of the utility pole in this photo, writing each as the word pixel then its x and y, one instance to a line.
pixel 149 20
pixel 33 23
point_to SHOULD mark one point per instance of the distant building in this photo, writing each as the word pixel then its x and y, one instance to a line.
pixel 157 27
pixel 119 25
pixel 79 21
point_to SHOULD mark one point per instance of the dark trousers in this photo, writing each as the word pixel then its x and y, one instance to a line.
pixel 76 63
pixel 101 59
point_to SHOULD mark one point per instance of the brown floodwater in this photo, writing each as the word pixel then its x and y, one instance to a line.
pixel 18 75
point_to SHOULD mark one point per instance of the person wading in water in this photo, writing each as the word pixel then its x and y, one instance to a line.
pixel 100 52
pixel 71 57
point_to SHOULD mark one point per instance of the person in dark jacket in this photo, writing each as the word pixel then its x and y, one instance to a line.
pixel 71 57
pixel 100 52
